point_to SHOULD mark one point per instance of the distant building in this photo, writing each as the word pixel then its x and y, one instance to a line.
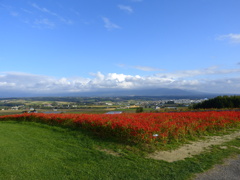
pixel 109 104
pixel 14 108
pixel 32 110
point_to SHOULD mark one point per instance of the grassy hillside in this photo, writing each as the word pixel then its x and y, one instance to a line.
pixel 35 151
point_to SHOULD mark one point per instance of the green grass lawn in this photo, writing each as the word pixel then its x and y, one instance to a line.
pixel 36 151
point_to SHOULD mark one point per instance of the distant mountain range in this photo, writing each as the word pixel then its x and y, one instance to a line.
pixel 107 93
pixel 148 92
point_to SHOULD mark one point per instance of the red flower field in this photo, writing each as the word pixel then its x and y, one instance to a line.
pixel 141 127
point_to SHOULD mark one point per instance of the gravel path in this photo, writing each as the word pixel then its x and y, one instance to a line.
pixel 194 148
pixel 230 170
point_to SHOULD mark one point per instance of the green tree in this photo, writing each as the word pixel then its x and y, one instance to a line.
pixel 219 102
pixel 139 109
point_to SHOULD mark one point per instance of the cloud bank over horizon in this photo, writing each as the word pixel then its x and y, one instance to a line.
pixel 210 80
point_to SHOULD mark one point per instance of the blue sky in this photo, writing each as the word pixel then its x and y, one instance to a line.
pixel 50 46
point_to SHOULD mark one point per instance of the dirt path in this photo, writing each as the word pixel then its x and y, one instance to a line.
pixel 193 148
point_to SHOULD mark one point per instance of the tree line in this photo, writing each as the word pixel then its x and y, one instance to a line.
pixel 219 102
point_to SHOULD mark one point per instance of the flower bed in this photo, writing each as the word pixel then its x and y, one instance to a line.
pixel 141 127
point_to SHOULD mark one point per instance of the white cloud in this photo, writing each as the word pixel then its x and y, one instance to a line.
pixel 45 10
pixel 109 25
pixel 233 38
pixel 214 71
pixel 6 84
pixel 44 22
pixel 127 9
pixel 12 10
pixel 213 80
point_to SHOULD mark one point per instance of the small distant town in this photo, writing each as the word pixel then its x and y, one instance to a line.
pixel 95 104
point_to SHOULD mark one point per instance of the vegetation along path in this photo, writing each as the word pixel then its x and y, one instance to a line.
pixel 193 148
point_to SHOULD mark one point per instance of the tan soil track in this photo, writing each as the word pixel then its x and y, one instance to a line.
pixel 108 151
pixel 188 150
